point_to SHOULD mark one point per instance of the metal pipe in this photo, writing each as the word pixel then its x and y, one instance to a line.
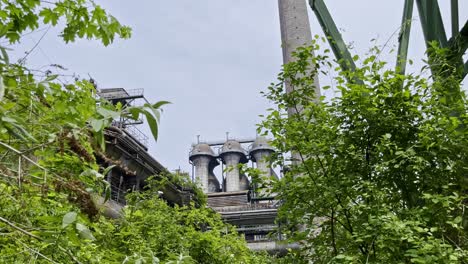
pixel 221 142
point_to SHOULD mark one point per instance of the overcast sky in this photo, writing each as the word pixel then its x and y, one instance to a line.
pixel 211 59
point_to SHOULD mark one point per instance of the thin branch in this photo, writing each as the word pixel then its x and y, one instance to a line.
pixel 333 231
pixel 37 252
pixel 19 228
pixel 70 255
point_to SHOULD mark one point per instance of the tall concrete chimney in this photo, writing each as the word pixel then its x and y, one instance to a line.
pixel 202 156
pixel 295 32
pixel 232 154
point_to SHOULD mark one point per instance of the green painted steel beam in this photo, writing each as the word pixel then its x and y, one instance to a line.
pixel 457 48
pixel 403 38
pixel 458 44
pixel 334 37
pixel 465 70
pixel 455 19
pixel 431 22
pixel 461 47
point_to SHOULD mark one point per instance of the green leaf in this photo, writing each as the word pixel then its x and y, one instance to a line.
pixel 134 112
pixel 152 122
pixel 97 124
pixel 68 219
pixel 84 232
pixel 108 169
pixel 107 191
pixel 4 57
pixel 160 103
pixel 2 88
pixel 51 77
pixel 150 118
pixel 106 113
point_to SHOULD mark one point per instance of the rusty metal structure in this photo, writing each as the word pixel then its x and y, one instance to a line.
pixel 127 147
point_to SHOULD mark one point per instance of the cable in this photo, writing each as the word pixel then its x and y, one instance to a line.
pixel 34 47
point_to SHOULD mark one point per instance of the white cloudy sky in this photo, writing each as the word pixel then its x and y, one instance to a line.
pixel 211 59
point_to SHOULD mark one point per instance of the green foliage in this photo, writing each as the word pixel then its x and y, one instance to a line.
pixel 48 228
pixel 381 175
pixel 151 229
pixel 81 19
pixel 49 134
pixel 151 112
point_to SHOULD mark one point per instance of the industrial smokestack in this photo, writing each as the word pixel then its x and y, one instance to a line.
pixel 295 32
pixel 232 154
pixel 202 156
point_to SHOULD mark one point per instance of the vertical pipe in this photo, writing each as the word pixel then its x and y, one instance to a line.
pixel 223 177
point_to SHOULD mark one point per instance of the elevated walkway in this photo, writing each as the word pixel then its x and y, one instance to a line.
pixel 127 150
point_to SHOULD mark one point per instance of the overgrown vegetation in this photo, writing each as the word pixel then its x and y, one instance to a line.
pixel 50 135
pixel 381 175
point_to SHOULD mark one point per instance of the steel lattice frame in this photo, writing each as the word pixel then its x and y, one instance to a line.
pixel 432 26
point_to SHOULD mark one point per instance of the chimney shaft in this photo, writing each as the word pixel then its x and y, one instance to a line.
pixel 295 32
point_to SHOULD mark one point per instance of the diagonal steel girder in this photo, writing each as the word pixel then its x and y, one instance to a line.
pixel 403 38
pixel 431 22
pixel 334 38
pixel 434 30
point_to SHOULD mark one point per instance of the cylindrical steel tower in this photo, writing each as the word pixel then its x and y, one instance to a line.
pixel 232 154
pixel 202 156
pixel 260 153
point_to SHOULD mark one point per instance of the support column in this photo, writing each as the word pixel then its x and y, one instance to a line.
pixel 201 170
pixel 232 174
